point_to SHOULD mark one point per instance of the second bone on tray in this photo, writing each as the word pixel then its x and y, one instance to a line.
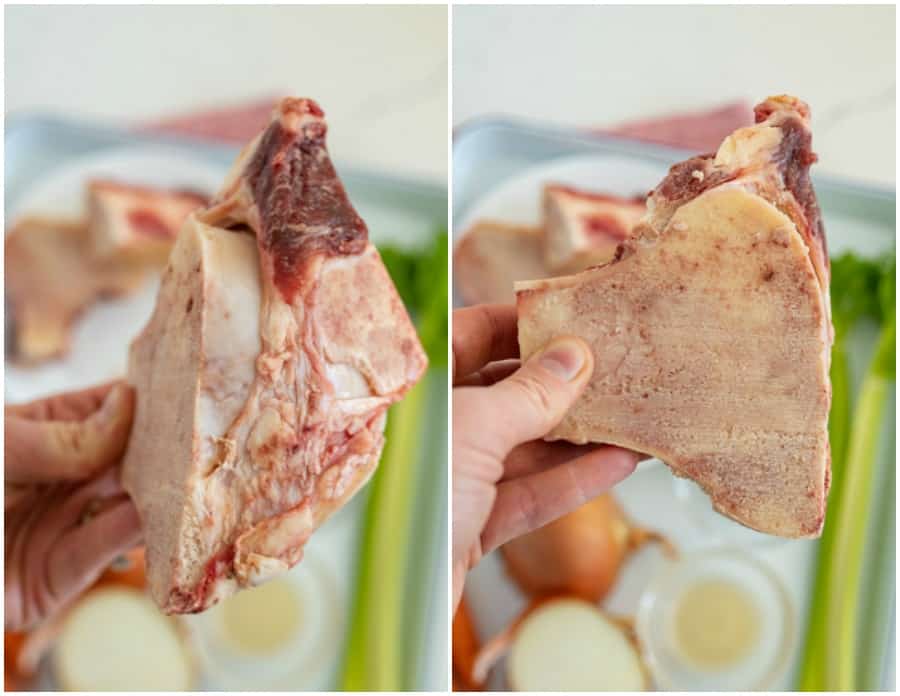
pixel 264 376
pixel 56 269
pixel 711 329
pixel 578 229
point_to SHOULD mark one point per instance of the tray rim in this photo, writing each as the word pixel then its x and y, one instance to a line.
pixel 115 135
pixel 616 144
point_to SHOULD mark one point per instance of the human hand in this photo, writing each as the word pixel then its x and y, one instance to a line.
pixel 506 481
pixel 67 517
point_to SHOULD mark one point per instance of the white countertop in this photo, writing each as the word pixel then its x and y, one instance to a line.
pixel 380 73
pixel 600 66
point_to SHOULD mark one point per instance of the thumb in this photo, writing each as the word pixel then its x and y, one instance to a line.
pixel 535 398
pixel 39 451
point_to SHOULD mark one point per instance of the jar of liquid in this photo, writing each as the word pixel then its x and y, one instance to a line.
pixel 286 634
pixel 718 620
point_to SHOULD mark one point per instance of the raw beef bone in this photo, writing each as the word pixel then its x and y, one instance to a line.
pixel 264 376
pixel 137 224
pixel 491 256
pixel 579 229
pixel 583 228
pixel 711 329
pixel 51 278
pixel 56 269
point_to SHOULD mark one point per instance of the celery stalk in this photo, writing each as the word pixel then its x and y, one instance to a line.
pixel 861 289
pixel 379 657
pixel 375 654
pixel 812 677
pixel 845 571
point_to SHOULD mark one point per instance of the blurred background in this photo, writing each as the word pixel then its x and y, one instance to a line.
pixel 591 68
pixel 379 73
pixel 126 108
pixel 603 100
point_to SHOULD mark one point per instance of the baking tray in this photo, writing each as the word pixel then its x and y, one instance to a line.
pixel 491 157
pixel 396 210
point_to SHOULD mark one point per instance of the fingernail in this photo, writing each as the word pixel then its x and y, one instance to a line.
pixel 564 358
pixel 110 412
pixel 104 416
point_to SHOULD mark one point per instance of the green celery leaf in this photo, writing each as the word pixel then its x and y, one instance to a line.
pixel 854 290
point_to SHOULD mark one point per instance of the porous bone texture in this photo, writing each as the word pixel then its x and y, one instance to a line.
pixel 711 329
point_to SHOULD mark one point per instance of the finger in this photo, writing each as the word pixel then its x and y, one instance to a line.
pixel 82 554
pixel 529 502
pixel 33 531
pixel 45 451
pixel 64 506
pixel 491 373
pixel 528 404
pixel 13 494
pixel 76 405
pixel 537 455
pixel 483 334
pixel 81 501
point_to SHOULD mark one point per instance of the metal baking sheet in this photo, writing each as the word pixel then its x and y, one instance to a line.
pixel 498 165
pixel 38 148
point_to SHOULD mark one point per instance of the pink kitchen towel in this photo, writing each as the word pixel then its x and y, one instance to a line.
pixel 234 124
pixel 699 131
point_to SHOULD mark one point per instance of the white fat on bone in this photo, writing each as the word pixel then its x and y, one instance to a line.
pixel 264 376
pixel 711 330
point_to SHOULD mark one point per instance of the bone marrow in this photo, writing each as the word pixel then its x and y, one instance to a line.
pixel 711 328
pixel 771 158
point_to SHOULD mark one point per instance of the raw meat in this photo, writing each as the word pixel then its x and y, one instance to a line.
pixel 583 229
pixel 579 229
pixel 50 280
pixel 711 329
pixel 491 256
pixel 264 376
pixel 56 269
pixel 136 224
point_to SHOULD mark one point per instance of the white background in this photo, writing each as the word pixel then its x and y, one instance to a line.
pixel 599 66
pixel 380 73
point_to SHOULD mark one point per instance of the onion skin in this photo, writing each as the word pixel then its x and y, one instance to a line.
pixel 465 649
pixel 499 645
pixel 13 679
pixel 579 554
